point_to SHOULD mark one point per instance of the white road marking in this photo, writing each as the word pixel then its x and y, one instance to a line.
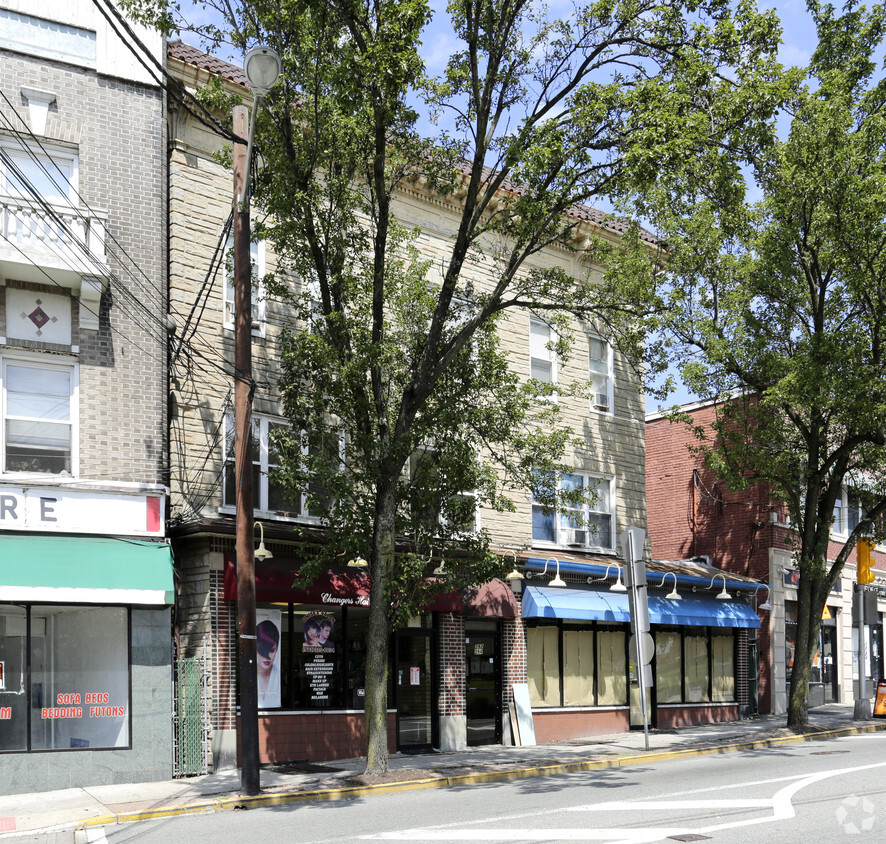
pixel 780 804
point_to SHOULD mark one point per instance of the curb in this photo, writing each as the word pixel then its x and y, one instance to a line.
pixel 353 792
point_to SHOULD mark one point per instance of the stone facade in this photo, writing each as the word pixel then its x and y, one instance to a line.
pixel 200 200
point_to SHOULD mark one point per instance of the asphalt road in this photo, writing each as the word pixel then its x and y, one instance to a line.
pixel 827 790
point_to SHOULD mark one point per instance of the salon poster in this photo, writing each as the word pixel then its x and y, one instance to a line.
pixel 318 648
pixel 267 646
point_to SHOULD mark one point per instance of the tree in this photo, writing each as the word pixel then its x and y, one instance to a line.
pixel 536 117
pixel 779 307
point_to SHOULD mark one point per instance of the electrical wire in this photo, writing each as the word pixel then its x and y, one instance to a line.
pixel 181 94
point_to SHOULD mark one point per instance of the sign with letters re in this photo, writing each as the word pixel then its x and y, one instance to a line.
pixel 63 510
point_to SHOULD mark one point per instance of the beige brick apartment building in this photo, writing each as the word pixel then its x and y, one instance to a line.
pixel 85 572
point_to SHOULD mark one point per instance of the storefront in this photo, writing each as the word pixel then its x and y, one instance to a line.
pixel 582 680
pixel 85 657
pixel 446 685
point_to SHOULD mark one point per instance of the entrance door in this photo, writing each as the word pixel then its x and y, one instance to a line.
pixel 829 656
pixel 483 682
pixel 412 684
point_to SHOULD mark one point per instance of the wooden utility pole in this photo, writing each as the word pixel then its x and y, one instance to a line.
pixel 248 730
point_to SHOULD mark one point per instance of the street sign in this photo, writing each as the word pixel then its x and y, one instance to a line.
pixel 648 648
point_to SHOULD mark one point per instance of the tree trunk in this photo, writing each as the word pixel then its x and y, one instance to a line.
pixel 376 714
pixel 810 605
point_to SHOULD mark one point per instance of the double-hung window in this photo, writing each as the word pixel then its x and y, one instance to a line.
pixel 257 260
pixel 542 358
pixel 269 496
pixel 435 508
pixel 600 374
pixel 267 493
pixel 589 523
pixel 39 402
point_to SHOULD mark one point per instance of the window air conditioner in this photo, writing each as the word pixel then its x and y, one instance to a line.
pixel 576 538
pixel 601 400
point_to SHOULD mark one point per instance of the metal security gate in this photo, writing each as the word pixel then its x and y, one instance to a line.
pixel 191 717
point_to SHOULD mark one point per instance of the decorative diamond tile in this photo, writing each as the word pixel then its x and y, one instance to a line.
pixel 39 317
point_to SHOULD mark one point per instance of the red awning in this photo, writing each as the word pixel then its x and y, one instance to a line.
pixel 491 600
pixel 277 581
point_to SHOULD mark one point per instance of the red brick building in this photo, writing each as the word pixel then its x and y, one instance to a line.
pixel 692 513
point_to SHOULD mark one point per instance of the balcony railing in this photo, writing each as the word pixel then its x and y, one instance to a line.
pixel 65 243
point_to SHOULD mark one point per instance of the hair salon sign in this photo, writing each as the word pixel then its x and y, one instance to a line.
pixel 62 510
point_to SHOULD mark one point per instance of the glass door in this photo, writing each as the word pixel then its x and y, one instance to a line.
pixel 413 688
pixel 483 683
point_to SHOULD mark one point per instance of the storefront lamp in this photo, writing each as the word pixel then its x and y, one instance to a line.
pixel 673 595
pixel 357 563
pixel 724 595
pixel 618 586
pixel 261 553
pixel 765 605
pixel 557 580
pixel 515 573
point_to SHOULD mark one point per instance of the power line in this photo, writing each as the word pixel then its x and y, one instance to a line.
pixel 181 92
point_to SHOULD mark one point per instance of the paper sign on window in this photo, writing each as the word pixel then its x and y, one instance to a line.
pixel 415 676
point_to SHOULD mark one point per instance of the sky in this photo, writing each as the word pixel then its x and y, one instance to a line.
pixel 798 41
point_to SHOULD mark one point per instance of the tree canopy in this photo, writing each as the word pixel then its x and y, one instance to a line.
pixel 778 307
pixel 533 116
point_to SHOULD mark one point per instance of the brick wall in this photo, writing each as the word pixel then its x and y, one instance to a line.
pixel 452 664
pixel 117 130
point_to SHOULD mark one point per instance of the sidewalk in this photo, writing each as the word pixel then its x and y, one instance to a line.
pixel 73 809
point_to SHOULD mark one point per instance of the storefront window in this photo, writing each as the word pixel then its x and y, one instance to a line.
pixel 696 668
pixel 318 657
pixel 668 667
pixel 722 666
pixel 543 665
pixel 79 695
pixel 13 692
pixel 578 667
pixel 612 680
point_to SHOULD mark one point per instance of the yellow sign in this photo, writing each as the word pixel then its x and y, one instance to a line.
pixel 880 702
pixel 826 613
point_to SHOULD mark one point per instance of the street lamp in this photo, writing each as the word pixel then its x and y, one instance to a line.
pixel 259 65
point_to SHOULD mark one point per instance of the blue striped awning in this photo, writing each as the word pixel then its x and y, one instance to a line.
pixel 593 605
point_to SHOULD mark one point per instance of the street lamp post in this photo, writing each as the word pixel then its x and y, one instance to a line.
pixel 262 68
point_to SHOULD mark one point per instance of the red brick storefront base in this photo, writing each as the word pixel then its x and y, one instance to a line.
pixel 689 716
pixel 565 724
pixel 314 736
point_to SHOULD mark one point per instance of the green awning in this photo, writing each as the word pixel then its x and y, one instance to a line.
pixel 84 569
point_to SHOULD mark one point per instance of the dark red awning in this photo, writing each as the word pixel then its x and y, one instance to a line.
pixel 277 581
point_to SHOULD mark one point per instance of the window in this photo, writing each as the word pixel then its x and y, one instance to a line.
pixel 434 505
pixel 314 656
pixel 668 667
pixel 268 494
pixel 542 359
pixel 257 258
pixel 600 374
pixel 696 669
pixel 722 666
pixel 27 173
pixel 39 413
pixel 593 670
pixel 543 665
pixel 695 665
pixel 77 697
pixel 587 524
